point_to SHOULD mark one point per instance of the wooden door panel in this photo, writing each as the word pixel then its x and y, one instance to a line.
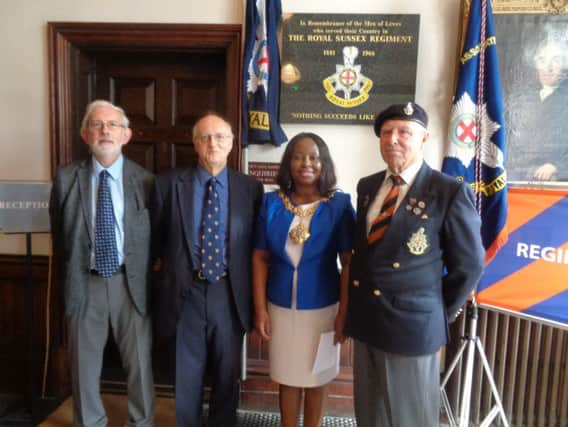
pixel 142 153
pixel 162 94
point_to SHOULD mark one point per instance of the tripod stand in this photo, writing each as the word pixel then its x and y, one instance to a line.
pixel 472 343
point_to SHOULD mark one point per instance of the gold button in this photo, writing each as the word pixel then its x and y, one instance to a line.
pixel 395 265
pixel 356 283
pixel 377 293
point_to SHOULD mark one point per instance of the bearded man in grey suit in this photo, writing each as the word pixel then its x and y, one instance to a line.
pixel 101 235
pixel 417 256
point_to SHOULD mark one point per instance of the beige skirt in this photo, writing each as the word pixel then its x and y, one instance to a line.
pixel 294 344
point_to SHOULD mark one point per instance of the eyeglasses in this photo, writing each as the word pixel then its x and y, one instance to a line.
pixel 217 137
pixel 112 125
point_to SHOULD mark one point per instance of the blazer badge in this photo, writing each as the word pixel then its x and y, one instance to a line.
pixel 418 243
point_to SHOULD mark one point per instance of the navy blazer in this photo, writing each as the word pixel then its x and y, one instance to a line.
pixel 171 213
pixel 331 231
pixel 405 289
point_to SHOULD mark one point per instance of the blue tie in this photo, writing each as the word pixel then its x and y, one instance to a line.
pixel 106 254
pixel 211 245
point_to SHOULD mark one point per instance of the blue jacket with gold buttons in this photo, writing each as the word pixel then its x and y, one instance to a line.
pixel 404 290
pixel 331 230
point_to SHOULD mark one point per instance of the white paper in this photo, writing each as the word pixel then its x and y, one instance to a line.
pixel 327 356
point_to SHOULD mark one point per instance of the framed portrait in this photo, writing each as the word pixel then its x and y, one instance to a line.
pixel 532 45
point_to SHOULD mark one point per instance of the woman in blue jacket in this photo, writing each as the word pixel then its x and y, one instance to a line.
pixel 298 291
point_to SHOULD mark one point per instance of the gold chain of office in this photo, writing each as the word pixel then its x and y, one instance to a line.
pixel 300 233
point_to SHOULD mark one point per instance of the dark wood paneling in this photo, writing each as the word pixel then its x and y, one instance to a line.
pixel 73 47
pixel 19 308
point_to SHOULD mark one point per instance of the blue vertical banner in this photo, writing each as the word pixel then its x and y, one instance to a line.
pixel 476 146
pixel 261 74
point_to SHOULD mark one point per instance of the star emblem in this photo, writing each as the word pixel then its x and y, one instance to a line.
pixel 463 133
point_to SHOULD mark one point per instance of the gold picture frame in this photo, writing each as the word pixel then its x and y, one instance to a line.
pixel 532 46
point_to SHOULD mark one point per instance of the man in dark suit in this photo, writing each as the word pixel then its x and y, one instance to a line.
pixel 100 225
pixel 203 263
pixel 417 256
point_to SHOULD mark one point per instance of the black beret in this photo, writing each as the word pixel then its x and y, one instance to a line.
pixel 409 111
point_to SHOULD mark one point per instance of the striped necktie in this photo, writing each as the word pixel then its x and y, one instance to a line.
pixel 381 222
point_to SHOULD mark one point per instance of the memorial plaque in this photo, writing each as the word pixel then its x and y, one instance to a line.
pixel 344 69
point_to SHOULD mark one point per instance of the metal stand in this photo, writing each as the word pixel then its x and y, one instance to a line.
pixel 471 342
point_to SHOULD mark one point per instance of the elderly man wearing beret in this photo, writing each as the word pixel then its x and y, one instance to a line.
pixel 417 256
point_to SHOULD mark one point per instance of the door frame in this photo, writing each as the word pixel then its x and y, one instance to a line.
pixel 66 42
pixel 67 38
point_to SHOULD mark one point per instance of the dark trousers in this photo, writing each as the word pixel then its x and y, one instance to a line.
pixel 209 338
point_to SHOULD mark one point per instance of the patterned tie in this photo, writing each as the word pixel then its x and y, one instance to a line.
pixel 381 222
pixel 211 246
pixel 106 253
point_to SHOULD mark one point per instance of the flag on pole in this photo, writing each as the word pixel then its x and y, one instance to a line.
pixel 261 74
pixel 476 149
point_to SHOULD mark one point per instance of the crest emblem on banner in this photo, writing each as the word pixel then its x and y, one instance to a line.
pixel 463 133
pixel 346 80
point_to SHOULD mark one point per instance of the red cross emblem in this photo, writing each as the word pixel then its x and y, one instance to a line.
pixel 466 130
pixel 347 77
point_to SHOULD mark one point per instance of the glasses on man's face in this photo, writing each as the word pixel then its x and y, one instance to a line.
pixel 111 125
pixel 219 138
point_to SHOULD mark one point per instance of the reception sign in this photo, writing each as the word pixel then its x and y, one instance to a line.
pixel 529 274
pixel 344 69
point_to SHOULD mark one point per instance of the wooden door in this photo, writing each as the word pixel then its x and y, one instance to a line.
pixel 162 93
pixel 164 76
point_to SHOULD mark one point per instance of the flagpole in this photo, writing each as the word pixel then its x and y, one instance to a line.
pixel 471 96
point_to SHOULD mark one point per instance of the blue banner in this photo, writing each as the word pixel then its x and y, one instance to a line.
pixel 476 149
pixel 261 74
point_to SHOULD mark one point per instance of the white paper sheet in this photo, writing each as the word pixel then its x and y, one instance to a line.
pixel 327 356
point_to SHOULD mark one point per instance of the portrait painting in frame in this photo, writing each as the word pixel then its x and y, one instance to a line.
pixel 532 44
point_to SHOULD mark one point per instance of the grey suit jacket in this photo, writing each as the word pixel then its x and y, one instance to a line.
pixel 71 228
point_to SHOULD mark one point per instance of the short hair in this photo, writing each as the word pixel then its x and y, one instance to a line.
pixel 207 114
pixel 101 103
pixel 327 180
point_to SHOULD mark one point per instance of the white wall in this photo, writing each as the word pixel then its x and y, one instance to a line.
pixel 24 92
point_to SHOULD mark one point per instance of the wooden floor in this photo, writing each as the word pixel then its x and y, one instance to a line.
pixel 116 407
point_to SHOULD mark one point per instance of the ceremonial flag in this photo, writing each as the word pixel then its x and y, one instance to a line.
pixel 476 150
pixel 261 74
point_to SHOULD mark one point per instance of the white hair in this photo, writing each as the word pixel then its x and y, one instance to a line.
pixel 101 103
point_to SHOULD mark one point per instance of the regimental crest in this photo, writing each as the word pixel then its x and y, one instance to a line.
pixel 408 110
pixel 348 80
pixel 418 242
pixel 259 66
pixel 463 133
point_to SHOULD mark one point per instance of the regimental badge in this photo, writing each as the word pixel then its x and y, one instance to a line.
pixel 418 243
pixel 408 110
pixel 348 81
